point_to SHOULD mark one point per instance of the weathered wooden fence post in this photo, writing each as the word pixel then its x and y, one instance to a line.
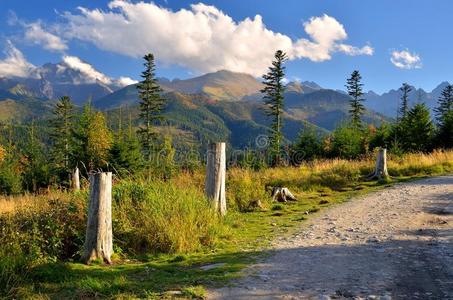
pixel 380 170
pixel 76 180
pixel 215 177
pixel 99 238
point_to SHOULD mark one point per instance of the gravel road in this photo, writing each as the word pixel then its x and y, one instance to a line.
pixel 396 243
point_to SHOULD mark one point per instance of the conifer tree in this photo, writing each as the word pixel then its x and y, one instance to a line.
pixel 354 87
pixel 418 129
pixel 445 104
pixel 151 105
pixel 445 133
pixel 405 90
pixel 62 134
pixel 36 173
pixel 125 154
pixel 274 100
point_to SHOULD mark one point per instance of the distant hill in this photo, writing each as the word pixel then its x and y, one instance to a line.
pixel 388 102
pixel 305 102
pixel 22 109
pixel 221 85
pixel 197 120
pixel 52 81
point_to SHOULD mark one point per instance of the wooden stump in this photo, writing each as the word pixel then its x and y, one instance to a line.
pixel 215 177
pixel 380 170
pixel 282 194
pixel 99 238
pixel 76 180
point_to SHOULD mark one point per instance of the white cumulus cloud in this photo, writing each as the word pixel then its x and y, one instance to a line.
pixel 91 75
pixel 14 64
pixel 35 34
pixel 406 60
pixel 202 38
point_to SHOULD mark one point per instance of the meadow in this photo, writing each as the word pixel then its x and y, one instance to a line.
pixel 166 237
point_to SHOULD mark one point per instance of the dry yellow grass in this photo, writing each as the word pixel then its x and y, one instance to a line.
pixel 24 202
pixel 245 184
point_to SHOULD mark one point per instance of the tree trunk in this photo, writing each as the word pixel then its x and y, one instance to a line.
pixel 215 177
pixel 76 180
pixel 380 170
pixel 99 239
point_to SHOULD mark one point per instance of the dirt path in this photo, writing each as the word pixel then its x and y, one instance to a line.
pixel 393 244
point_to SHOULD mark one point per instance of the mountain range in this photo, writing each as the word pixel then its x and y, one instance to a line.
pixel 220 105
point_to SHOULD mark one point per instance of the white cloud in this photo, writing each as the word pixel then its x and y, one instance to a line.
pixel 203 38
pixel 91 75
pixel 36 34
pixel 353 51
pixel 125 81
pixel 15 64
pixel 406 60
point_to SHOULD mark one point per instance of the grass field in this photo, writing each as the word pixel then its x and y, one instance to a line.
pixel 42 235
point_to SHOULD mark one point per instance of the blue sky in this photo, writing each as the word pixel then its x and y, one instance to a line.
pixel 419 32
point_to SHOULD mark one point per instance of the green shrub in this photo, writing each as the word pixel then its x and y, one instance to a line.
pixel 10 183
pixel 56 232
pixel 14 269
pixel 348 142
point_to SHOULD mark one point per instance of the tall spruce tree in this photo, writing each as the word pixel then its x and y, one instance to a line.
pixel 418 129
pixel 354 87
pixel 62 134
pixel 151 105
pixel 445 104
pixel 274 100
pixel 405 89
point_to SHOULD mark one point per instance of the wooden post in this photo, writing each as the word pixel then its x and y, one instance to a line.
pixel 99 239
pixel 215 177
pixel 76 180
pixel 380 170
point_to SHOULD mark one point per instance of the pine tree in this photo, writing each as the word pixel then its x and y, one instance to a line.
pixel 81 158
pixel 418 129
pixel 274 100
pixel 125 154
pixel 36 173
pixel 445 103
pixel 151 105
pixel 354 88
pixel 405 90
pixel 62 134
pixel 445 133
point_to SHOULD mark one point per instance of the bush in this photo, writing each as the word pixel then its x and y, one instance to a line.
pixel 348 142
pixel 10 182
pixel 308 146
pixel 53 232
pixel 14 269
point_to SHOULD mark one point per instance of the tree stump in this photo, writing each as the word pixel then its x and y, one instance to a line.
pixel 76 180
pixel 99 238
pixel 380 170
pixel 215 177
pixel 282 194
